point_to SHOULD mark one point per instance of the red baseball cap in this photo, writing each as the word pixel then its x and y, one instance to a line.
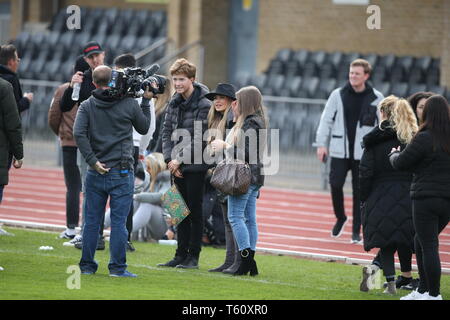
pixel 91 48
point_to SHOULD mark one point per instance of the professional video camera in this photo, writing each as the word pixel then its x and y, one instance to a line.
pixel 132 82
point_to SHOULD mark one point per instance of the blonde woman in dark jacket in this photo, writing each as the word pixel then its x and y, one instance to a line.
pixel 384 192
pixel 218 122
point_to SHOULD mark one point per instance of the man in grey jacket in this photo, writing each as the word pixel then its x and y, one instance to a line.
pixel 103 133
pixel 349 114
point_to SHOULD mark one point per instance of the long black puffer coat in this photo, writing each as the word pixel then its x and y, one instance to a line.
pixel 386 204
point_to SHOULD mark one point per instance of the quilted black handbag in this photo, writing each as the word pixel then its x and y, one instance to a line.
pixel 232 177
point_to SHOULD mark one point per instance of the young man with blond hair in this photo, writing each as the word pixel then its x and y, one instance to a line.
pixel 349 114
pixel 187 112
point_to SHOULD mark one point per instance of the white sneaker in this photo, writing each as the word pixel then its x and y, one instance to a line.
pixel 415 295
pixel 5 233
pixel 71 243
pixel 426 296
pixel 369 277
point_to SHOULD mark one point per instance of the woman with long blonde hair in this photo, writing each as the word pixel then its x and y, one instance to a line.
pixel 161 103
pixel 149 212
pixel 386 204
pixel 220 118
pixel 245 141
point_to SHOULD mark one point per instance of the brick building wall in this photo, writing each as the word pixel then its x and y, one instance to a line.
pixel 408 27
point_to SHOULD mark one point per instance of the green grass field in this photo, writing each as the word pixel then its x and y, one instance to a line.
pixel 33 274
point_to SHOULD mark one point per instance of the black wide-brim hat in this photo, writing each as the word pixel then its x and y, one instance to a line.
pixel 223 89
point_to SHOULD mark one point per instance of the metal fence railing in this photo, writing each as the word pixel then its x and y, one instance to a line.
pixel 295 118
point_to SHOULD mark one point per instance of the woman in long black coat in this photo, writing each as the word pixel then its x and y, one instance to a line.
pixel 386 204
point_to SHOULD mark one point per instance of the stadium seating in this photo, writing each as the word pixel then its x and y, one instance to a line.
pixel 314 74
pixel 50 55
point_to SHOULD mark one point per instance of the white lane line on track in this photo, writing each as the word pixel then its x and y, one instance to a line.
pixel 33 219
pixel 33 210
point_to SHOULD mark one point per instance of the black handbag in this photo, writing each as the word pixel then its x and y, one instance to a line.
pixel 232 177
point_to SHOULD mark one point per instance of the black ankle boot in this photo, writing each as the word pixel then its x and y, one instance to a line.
pixel 253 266
pixel 245 266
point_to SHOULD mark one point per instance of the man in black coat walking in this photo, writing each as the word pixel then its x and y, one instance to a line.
pixel 9 64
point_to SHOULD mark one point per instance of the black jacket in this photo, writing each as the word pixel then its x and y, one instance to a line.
pixel 85 92
pixel 181 114
pixel 249 149
pixel 103 128
pixel 386 211
pixel 10 130
pixel 430 167
pixel 10 76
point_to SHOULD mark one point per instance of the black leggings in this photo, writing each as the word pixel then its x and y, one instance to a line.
pixel 386 258
pixel 430 217
pixel 72 180
pixel 404 255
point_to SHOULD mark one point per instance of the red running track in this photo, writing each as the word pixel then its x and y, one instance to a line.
pixel 290 221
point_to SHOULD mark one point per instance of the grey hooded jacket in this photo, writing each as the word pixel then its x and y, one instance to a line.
pixel 103 128
pixel 332 125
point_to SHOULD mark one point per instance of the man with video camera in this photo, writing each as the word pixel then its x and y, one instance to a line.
pixel 103 132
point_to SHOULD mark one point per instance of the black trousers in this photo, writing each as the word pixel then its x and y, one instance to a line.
pixel 386 256
pixel 190 230
pixel 404 255
pixel 430 217
pixel 338 173
pixel 72 180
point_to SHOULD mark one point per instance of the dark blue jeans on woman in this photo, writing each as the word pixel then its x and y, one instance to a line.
pixel 120 190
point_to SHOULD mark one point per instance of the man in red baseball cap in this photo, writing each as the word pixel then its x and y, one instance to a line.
pixel 94 55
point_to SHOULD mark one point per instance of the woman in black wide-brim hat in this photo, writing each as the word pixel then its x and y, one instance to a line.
pixel 220 118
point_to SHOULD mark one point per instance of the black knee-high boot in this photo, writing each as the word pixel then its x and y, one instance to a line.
pixel 253 266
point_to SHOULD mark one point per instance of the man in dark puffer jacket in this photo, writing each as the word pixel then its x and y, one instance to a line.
pixel 187 110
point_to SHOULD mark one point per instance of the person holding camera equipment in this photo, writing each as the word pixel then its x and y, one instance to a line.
pixel 140 142
pixel 187 108
pixel 107 148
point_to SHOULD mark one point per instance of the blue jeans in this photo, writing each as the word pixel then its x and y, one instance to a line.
pixel 120 191
pixel 242 217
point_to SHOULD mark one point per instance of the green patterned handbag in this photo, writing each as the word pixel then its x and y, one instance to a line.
pixel 175 205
